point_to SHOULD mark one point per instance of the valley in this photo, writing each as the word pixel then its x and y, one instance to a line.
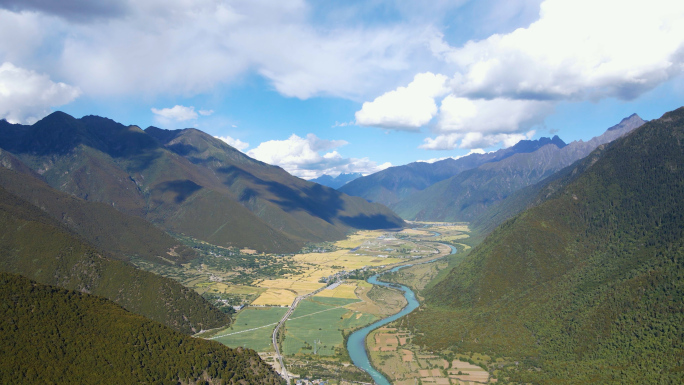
pixel 312 340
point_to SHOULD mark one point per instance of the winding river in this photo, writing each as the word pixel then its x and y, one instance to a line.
pixel 356 344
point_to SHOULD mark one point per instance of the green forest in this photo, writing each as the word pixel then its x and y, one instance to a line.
pixel 51 335
pixel 587 286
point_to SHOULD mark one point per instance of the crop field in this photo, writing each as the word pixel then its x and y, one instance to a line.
pixel 275 297
pixel 252 328
pixel 317 324
pixel 345 290
pixel 393 353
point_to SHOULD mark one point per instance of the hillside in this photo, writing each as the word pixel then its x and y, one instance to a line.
pixel 186 181
pixel 35 245
pixel 52 335
pixel 588 285
pixel 466 196
pixel 394 184
pixel 121 235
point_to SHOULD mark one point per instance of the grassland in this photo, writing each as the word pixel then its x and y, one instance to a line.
pixel 252 328
pixel 317 325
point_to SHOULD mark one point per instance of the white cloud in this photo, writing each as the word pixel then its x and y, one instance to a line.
pixel 473 140
pixel 27 96
pixel 473 151
pixel 237 143
pixel 490 116
pixel 578 49
pixel 176 113
pixel 206 112
pixel 406 108
pixel 182 47
pixel 307 157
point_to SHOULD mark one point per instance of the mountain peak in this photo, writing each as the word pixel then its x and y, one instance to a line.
pixel 631 121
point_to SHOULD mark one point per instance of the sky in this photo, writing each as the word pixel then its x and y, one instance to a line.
pixel 325 87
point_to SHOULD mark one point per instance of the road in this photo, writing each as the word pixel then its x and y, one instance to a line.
pixel 282 322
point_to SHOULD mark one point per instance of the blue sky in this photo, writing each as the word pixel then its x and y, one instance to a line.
pixel 346 86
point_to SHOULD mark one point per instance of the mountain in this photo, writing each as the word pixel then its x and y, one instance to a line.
pixel 37 246
pixel 391 185
pixel 586 286
pixel 337 181
pixel 51 335
pixel 104 227
pixel 466 196
pixel 186 181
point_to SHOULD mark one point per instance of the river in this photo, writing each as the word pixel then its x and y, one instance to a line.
pixel 356 344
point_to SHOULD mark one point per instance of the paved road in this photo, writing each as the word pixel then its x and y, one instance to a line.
pixel 282 321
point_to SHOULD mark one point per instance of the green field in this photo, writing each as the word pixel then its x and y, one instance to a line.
pixel 261 319
pixel 321 319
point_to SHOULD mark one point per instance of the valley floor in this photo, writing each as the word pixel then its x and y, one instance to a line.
pixel 313 338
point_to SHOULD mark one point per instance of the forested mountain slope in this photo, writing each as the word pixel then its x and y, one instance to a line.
pixel 35 245
pixel 588 285
pixel 186 181
pixel 49 335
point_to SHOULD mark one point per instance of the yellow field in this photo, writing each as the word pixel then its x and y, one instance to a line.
pixel 300 287
pixel 355 240
pixel 345 290
pixel 414 232
pixel 275 297
pixel 237 289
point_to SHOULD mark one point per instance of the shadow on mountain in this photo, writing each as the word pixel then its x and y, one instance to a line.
pixel 369 222
pixel 182 188
pixel 316 200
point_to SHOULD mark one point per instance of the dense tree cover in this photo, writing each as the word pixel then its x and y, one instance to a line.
pixel 35 245
pixel 588 285
pixel 52 335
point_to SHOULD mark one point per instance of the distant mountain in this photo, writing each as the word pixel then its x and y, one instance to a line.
pixel 37 246
pixel 186 181
pixel 469 194
pixel 587 285
pixel 392 185
pixel 55 336
pixel 337 181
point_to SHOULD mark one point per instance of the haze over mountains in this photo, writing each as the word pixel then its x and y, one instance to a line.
pixel 186 181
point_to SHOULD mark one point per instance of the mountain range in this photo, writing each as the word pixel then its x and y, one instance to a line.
pixel 336 181
pixel 466 196
pixel 188 182
pixel 587 284
pixel 394 184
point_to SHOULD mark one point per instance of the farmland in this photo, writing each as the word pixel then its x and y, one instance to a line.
pixel 312 339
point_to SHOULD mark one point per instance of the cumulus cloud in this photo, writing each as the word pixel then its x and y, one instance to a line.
pixel 185 48
pixel 206 112
pixel 406 108
pixel 176 113
pixel 473 151
pixel 237 143
pixel 473 140
pixel 311 157
pixel 577 50
pixel 27 96
pixel 458 114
